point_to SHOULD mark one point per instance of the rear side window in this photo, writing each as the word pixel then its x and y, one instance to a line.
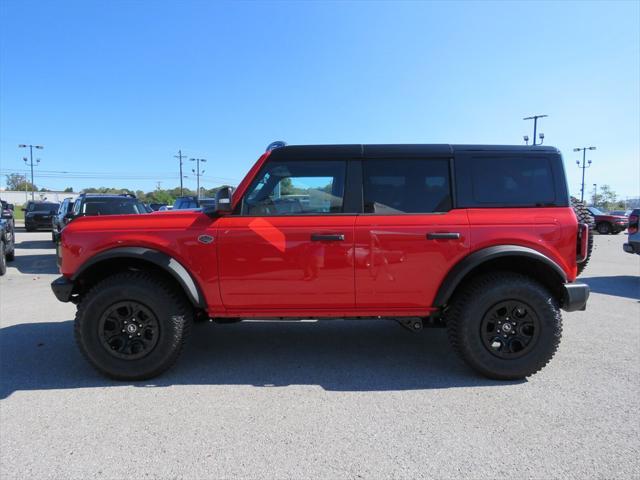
pixel 525 181
pixel 506 180
pixel 393 186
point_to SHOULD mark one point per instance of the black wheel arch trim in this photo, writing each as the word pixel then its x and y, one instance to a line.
pixel 155 257
pixel 477 258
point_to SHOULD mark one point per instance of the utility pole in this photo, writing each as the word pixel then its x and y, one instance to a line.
pixel 180 157
pixel 535 128
pixel 584 166
pixel 595 194
pixel 158 185
pixel 31 147
pixel 198 172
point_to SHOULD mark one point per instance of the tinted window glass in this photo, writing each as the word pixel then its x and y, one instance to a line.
pixel 297 187
pixel 43 207
pixel 512 181
pixel 185 203
pixel 406 186
pixel 112 207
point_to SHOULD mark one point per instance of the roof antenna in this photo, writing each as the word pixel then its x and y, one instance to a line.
pixel 276 144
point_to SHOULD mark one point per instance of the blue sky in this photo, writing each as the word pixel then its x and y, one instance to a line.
pixel 114 88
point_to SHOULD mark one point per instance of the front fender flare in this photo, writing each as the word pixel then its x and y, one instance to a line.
pixel 157 258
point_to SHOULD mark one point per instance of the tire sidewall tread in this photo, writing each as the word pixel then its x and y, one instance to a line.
pixel 174 316
pixel 468 307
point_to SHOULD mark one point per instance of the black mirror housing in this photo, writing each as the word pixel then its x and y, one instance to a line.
pixel 222 205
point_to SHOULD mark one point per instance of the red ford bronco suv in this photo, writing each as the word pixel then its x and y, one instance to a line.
pixel 480 239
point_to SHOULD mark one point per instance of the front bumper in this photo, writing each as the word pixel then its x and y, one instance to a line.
pixel 62 288
pixel 575 297
pixel 42 224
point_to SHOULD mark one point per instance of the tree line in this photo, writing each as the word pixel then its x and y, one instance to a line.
pixel 19 182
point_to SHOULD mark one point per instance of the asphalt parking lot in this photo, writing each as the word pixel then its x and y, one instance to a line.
pixel 339 399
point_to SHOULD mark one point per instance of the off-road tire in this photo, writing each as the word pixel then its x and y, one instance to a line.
pixel 11 256
pixel 584 216
pixel 476 298
pixel 3 259
pixel 172 310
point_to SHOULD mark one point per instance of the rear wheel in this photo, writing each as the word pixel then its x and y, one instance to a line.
pixel 132 326
pixel 604 228
pixel 505 326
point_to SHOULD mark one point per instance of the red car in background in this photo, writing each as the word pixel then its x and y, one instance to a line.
pixel 606 223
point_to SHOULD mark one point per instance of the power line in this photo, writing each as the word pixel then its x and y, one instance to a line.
pixel 180 157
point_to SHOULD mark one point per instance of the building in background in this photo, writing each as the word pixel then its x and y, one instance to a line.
pixel 21 197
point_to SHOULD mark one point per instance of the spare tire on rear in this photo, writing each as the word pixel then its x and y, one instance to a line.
pixel 584 216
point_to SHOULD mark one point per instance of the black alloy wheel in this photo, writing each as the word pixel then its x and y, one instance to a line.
pixel 510 329
pixel 129 330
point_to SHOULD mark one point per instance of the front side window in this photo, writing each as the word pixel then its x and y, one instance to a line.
pixel 394 186
pixel 297 187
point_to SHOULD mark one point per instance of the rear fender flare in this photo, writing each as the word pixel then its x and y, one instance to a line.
pixel 465 266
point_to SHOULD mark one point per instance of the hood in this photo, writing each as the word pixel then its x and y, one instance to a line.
pixel 170 220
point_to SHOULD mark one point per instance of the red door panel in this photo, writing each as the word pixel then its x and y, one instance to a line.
pixel 397 265
pixel 273 263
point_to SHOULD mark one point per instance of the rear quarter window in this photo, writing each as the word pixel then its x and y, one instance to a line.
pixel 509 181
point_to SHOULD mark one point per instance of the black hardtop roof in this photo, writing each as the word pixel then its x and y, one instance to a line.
pixel 373 150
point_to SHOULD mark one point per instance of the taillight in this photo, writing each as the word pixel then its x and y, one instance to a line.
pixel 583 242
pixel 633 223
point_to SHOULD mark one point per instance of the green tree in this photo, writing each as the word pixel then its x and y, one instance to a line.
pixel 15 181
pixel 609 198
pixel 68 190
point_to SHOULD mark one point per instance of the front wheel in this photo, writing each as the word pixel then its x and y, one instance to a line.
pixel 132 326
pixel 604 228
pixel 505 325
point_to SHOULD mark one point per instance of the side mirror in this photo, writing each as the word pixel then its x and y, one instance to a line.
pixel 23 209
pixel 222 204
pixel 68 216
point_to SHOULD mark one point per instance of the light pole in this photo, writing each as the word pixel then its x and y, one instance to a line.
pixel 595 194
pixel 198 172
pixel 584 166
pixel 180 157
pixel 535 128
pixel 31 147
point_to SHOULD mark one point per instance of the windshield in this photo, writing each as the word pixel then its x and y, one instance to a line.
pixel 43 207
pixel 595 211
pixel 112 206
pixel 185 203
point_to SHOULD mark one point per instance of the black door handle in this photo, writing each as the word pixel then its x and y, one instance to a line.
pixel 327 237
pixel 443 236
